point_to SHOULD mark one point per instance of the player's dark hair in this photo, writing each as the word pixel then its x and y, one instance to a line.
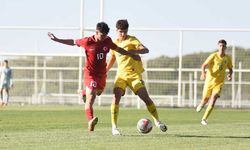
pixel 223 42
pixel 6 61
pixel 122 24
pixel 102 27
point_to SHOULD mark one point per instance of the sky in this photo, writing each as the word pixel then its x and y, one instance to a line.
pixel 140 14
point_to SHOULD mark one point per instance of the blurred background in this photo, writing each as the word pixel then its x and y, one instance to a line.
pixel 179 34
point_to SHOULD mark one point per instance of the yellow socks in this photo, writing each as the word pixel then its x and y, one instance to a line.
pixel 153 111
pixel 207 112
pixel 114 114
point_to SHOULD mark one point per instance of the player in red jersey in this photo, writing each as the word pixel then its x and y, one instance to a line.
pixel 96 49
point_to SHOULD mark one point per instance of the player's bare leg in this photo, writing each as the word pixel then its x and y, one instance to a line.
pixel 1 100
pixel 90 99
pixel 6 95
pixel 143 94
pixel 209 109
pixel 202 104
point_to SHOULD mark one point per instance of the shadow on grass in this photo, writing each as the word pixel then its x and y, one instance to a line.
pixel 158 135
pixel 207 136
pixel 185 136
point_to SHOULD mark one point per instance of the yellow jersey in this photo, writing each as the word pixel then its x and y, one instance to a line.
pixel 127 65
pixel 217 68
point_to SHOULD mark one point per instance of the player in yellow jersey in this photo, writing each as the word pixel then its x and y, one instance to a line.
pixel 217 64
pixel 129 75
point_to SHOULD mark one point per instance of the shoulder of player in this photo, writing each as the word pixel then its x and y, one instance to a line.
pixel 131 37
pixel 92 39
pixel 89 38
pixel 83 40
pixel 108 38
pixel 214 54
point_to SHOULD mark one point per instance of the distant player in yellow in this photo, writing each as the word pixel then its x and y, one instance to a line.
pixel 217 64
pixel 129 75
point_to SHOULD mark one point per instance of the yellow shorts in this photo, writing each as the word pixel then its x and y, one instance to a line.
pixel 134 82
pixel 210 89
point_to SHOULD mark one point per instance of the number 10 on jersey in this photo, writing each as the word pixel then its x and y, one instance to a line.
pixel 100 56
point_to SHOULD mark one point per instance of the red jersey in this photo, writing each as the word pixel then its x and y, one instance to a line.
pixel 96 53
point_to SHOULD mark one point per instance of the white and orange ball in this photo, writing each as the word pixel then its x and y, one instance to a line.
pixel 144 126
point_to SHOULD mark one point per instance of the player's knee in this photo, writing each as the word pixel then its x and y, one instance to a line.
pixel 90 98
pixel 145 98
pixel 213 99
pixel 89 102
pixel 143 94
pixel 118 92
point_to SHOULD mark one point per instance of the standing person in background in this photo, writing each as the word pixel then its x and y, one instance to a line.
pixel 217 64
pixel 5 83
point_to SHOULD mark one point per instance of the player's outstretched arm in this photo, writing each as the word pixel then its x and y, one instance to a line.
pixel 203 72
pixel 110 62
pixel 124 52
pixel 140 50
pixel 63 41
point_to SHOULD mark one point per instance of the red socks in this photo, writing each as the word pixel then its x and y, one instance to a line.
pixel 89 113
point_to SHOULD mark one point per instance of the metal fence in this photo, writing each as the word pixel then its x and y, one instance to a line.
pixel 54 79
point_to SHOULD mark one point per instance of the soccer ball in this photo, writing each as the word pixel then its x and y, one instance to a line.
pixel 144 126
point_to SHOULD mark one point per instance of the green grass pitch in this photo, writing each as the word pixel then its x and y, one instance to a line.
pixel 65 128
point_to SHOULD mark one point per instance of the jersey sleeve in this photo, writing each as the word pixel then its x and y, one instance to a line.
pixel 111 44
pixel 81 42
pixel 136 42
pixel 112 51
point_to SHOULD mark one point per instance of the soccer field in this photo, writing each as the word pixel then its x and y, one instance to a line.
pixel 65 128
